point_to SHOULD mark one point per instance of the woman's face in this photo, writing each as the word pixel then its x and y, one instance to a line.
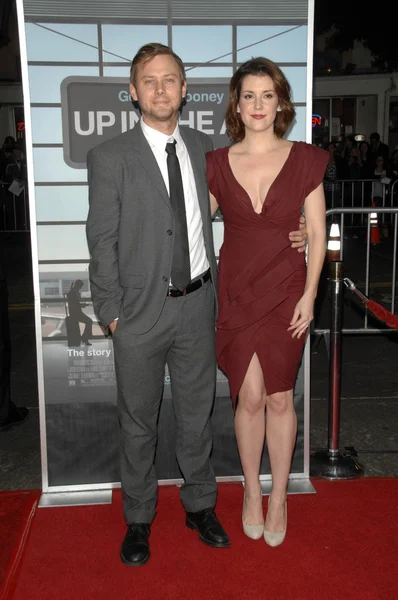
pixel 258 103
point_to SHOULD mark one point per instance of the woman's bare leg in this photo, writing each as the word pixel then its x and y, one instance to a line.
pixel 250 435
pixel 281 431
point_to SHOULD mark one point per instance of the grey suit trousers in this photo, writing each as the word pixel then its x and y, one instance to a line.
pixel 184 338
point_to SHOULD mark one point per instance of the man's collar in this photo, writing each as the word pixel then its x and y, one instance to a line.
pixel 157 138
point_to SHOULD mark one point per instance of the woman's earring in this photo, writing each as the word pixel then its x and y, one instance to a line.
pixel 279 109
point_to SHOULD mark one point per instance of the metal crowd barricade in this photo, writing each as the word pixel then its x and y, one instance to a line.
pixel 332 463
pixel 356 193
pixel 14 210
pixel 388 211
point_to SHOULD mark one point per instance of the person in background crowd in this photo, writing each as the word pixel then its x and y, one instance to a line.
pixel 16 166
pixel 379 173
pixel 334 172
pixel 354 164
pixel 349 144
pixel 364 152
pixel 377 149
pixel 6 155
pixel 10 414
pixel 392 170
pixel 340 144
pixel 16 205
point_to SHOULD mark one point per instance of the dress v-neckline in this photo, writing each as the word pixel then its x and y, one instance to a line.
pixel 270 187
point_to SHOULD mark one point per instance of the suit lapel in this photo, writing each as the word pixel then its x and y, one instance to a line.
pixel 145 155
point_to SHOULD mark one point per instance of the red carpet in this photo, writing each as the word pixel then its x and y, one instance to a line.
pixel 16 513
pixel 342 544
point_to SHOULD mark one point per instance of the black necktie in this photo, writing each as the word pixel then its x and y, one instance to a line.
pixel 181 269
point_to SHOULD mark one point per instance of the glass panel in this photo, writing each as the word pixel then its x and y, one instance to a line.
pixel 345 110
pixel 45 82
pixel 46 125
pixel 320 121
pixel 279 43
pixel 201 43
pixel 125 40
pixel 62 242
pixel 66 42
pixel 61 203
pixel 49 165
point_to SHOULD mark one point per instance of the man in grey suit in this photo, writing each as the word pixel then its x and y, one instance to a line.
pixel 132 232
pixel 153 278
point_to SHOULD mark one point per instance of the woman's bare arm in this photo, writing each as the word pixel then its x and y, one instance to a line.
pixel 213 205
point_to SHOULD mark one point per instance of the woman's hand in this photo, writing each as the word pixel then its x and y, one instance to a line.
pixel 303 315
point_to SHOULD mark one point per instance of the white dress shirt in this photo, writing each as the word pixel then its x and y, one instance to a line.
pixel 157 142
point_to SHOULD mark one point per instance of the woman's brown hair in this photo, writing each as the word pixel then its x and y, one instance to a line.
pixel 149 51
pixel 258 67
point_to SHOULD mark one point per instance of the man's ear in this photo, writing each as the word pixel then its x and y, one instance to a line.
pixel 133 92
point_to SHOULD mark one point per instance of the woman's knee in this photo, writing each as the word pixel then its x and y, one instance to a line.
pixel 280 403
pixel 252 402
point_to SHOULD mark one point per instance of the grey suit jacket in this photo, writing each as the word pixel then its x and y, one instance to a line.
pixel 129 223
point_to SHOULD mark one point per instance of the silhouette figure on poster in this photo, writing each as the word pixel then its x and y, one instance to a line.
pixel 76 316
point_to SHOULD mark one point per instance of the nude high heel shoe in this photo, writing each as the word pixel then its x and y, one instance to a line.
pixel 255 532
pixel 276 539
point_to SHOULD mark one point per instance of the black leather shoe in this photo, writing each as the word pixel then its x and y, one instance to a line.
pixel 211 532
pixel 135 548
pixel 17 416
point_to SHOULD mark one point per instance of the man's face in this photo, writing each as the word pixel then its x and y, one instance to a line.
pixel 159 90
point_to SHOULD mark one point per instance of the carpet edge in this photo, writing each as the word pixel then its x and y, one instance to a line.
pixel 9 582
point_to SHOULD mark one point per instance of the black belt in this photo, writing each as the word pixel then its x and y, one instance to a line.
pixel 192 287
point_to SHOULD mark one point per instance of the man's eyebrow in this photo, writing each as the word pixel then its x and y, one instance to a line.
pixel 165 75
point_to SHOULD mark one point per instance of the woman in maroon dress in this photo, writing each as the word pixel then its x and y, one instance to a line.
pixel 266 289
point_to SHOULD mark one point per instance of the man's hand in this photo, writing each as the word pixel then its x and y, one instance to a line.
pixel 112 326
pixel 299 238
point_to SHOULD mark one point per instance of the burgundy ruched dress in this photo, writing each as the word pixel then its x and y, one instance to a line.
pixel 261 277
